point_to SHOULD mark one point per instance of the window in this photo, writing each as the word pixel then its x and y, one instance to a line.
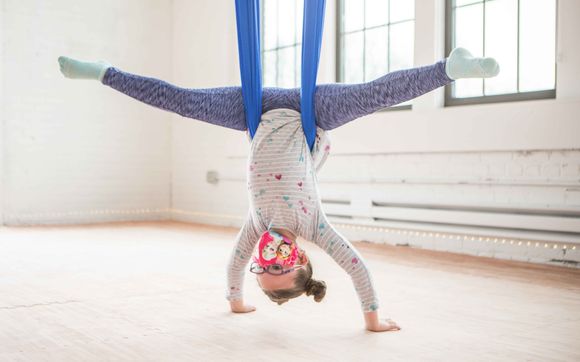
pixel 281 42
pixel 520 34
pixel 375 37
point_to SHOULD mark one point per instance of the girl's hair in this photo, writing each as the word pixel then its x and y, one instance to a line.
pixel 303 283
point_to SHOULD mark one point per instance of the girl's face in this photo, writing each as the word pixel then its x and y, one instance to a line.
pixel 283 281
pixel 273 282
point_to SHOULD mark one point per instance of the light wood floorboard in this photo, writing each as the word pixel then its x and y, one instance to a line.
pixel 155 292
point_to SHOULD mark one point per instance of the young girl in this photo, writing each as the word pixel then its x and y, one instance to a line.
pixel 284 199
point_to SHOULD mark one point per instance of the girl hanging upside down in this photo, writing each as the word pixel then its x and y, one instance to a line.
pixel 282 185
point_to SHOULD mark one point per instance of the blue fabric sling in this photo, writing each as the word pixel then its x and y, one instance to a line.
pixel 248 28
pixel 313 24
pixel 248 25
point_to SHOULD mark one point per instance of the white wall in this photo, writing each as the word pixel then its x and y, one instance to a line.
pixel 198 147
pixel 2 106
pixel 431 177
pixel 205 55
pixel 505 158
pixel 77 151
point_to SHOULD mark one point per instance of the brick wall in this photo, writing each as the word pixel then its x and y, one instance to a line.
pixel 75 151
pixel 514 164
pixel 498 180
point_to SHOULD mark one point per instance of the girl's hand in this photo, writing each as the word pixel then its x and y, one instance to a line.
pixel 384 326
pixel 238 306
pixel 373 323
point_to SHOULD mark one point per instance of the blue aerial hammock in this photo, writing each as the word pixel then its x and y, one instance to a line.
pixel 248 27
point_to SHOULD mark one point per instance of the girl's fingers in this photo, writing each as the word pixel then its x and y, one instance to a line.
pixel 392 323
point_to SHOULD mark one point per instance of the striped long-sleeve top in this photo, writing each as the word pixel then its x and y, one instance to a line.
pixel 283 193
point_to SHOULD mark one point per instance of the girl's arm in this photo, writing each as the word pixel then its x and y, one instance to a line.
pixel 350 260
pixel 243 248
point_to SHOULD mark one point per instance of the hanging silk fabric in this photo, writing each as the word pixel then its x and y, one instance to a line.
pixel 248 25
pixel 248 28
pixel 313 24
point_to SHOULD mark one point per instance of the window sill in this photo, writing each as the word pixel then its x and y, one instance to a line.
pixel 514 97
pixel 406 107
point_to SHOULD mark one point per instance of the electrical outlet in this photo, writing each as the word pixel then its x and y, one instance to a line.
pixel 212 177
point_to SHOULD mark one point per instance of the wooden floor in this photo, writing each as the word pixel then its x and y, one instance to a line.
pixel 155 292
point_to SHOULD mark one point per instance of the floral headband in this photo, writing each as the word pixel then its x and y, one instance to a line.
pixel 274 248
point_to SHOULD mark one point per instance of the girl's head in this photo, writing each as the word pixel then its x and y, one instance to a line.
pixel 295 278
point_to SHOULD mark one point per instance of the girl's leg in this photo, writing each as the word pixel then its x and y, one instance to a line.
pixel 337 104
pixel 274 98
pixel 222 106
pixel 219 106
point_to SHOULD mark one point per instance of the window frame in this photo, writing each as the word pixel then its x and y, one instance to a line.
pixel 451 101
pixel 339 53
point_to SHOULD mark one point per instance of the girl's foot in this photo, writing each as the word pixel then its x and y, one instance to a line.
pixel 76 69
pixel 461 64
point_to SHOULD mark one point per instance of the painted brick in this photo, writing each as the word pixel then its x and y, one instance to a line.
pixel 76 150
pixel 550 196
pixel 515 170
pixel 496 157
pixel 467 157
pixel 551 170
pixel 496 170
pixel 564 155
pixel 532 170
pixel 570 169
pixel 86 157
pixel 572 196
pixel 530 156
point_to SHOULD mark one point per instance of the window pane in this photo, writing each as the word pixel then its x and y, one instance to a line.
pixel 298 21
pixel 509 24
pixel 468 88
pixel 298 60
pixel 469 35
pixel 286 23
pixel 402 45
pixel 270 9
pixel 377 50
pixel 353 60
pixel 537 44
pixel 466 2
pixel 353 15
pixel 402 10
pixel 377 12
pixel 367 28
pixel 286 67
pixel 501 42
pixel 269 70
pixel 469 29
